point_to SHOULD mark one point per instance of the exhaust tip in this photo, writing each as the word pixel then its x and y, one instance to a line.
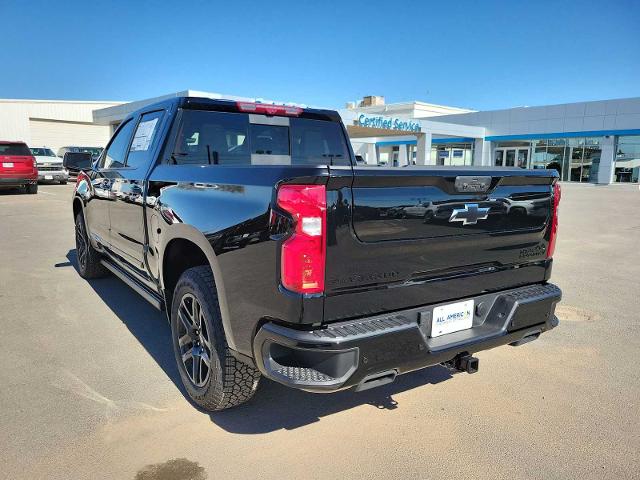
pixel 376 380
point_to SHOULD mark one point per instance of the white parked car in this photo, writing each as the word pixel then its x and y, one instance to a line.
pixel 50 167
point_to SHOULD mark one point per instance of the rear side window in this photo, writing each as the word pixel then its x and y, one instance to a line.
pixel 222 138
pixel 141 149
pixel 14 149
pixel 317 142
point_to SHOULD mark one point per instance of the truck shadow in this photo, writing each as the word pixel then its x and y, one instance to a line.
pixel 274 406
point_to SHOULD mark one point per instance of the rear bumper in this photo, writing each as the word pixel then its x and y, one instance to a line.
pixel 48 176
pixel 351 353
pixel 18 181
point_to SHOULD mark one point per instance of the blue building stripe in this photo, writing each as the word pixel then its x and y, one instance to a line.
pixel 453 140
pixel 397 142
pixel 433 141
pixel 542 136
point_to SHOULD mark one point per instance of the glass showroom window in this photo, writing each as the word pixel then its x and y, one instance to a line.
pixel 591 159
pixel 556 156
pixel 575 159
pixel 539 155
pixel 627 167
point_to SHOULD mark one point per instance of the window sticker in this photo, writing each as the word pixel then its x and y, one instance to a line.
pixel 144 136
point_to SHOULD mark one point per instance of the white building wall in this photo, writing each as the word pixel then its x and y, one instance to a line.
pixel 619 114
pixel 482 156
pixel 411 110
pixel 604 118
pixel 607 162
pixel 17 118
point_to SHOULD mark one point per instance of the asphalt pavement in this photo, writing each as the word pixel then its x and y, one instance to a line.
pixel 89 388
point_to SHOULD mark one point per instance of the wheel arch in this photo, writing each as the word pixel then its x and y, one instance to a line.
pixel 186 247
pixel 77 206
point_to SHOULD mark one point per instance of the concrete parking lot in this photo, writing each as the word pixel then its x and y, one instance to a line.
pixel 89 388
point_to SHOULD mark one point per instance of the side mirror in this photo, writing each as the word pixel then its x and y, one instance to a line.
pixel 76 161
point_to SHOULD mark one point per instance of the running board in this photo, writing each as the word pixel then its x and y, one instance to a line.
pixel 151 297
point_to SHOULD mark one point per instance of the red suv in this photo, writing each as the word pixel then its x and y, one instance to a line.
pixel 18 166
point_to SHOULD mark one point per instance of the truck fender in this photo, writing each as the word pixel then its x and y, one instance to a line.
pixel 183 231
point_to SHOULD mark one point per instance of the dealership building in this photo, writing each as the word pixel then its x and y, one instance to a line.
pixel 53 123
pixel 590 142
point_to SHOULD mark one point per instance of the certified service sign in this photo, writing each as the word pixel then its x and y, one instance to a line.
pixel 388 123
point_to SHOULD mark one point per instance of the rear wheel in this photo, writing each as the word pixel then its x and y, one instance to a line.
pixel 32 188
pixel 89 264
pixel 213 377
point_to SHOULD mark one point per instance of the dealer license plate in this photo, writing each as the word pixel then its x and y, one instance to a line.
pixel 7 164
pixel 452 318
pixel 48 177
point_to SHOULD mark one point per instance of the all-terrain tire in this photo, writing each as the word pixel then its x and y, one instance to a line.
pixel 230 382
pixel 88 258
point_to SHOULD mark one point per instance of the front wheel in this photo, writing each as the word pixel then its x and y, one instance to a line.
pixel 213 377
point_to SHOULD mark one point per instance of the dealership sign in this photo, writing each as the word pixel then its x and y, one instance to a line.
pixel 388 123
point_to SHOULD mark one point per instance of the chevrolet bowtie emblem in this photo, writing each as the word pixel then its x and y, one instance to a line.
pixel 469 215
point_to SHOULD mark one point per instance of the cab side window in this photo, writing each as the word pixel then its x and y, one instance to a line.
pixel 115 155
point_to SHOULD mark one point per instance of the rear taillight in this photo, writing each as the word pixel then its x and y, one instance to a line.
pixel 81 176
pixel 268 109
pixel 557 193
pixel 35 163
pixel 303 253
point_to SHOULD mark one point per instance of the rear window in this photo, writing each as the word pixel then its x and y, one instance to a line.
pixel 14 149
pixel 269 139
pixel 222 138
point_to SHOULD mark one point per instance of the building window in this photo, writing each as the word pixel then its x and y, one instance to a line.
pixel 575 159
pixel 512 154
pixel 627 167
pixel 452 154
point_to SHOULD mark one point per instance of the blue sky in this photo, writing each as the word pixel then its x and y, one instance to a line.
pixel 476 54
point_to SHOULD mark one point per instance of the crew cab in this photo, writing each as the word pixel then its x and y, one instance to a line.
pixel 273 253
pixel 18 166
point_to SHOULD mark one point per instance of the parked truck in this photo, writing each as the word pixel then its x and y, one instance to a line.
pixel 274 253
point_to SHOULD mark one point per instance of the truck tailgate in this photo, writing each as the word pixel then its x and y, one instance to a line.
pixel 407 237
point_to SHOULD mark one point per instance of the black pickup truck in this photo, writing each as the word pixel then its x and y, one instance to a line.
pixel 274 253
